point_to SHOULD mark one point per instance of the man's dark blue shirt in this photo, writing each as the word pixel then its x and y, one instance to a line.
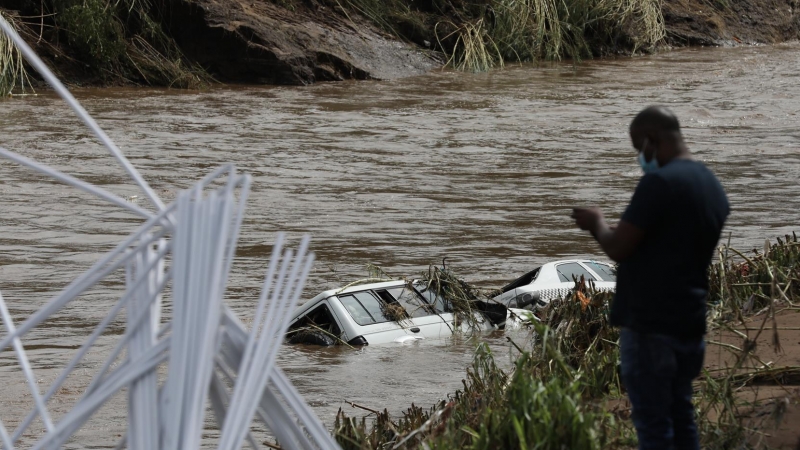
pixel 662 287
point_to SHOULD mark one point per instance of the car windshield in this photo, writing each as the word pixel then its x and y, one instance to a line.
pixel 605 271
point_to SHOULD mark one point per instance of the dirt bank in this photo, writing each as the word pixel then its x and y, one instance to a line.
pixel 731 22
pixel 182 42
pixel 260 42
pixel 777 394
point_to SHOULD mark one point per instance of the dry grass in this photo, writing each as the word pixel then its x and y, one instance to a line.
pixel 13 74
pixel 481 36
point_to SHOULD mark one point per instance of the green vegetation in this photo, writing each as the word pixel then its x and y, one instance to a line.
pixel 123 39
pixel 741 284
pixel 564 390
pixel 477 36
pixel 552 399
pixel 111 40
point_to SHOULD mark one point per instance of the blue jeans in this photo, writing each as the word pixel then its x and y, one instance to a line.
pixel 657 371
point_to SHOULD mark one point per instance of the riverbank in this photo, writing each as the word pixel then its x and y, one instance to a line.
pixel 564 389
pixel 191 43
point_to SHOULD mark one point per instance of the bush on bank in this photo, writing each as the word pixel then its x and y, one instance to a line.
pixel 108 41
pixel 480 35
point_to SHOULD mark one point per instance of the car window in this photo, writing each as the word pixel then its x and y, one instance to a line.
pixel 372 305
pixel 567 270
pixel 320 318
pixel 439 305
pixel 353 306
pixel 414 305
pixel 605 271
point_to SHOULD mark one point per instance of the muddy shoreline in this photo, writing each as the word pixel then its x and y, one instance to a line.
pixel 191 43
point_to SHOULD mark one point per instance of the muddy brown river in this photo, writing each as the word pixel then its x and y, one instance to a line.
pixel 479 168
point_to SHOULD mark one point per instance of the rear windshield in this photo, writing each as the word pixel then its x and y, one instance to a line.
pixel 567 271
pixel 605 271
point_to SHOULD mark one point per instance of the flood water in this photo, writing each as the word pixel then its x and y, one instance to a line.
pixel 482 169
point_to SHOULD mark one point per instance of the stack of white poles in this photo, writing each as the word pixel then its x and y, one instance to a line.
pixel 202 346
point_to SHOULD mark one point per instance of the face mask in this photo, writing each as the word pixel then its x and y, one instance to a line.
pixel 652 165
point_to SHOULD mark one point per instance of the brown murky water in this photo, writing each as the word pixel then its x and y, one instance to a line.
pixel 482 169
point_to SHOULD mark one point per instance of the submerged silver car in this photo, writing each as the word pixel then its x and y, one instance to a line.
pixel 392 311
pixel 555 280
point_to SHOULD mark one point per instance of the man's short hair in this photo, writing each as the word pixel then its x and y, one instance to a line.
pixel 656 118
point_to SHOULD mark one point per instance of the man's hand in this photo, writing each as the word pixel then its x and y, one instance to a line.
pixel 588 219
pixel 618 242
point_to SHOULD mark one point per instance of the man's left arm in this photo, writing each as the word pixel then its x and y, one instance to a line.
pixel 645 210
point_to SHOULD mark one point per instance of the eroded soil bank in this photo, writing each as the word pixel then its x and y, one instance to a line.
pixel 192 42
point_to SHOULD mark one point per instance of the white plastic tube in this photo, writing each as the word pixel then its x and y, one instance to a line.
pixel 35 62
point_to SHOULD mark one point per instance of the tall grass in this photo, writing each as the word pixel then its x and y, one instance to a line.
pixel 13 74
pixel 123 38
pixel 109 40
pixel 496 409
pixel 483 35
pixel 474 49
pixel 742 284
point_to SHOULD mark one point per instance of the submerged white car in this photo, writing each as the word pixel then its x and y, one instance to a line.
pixel 392 311
pixel 555 280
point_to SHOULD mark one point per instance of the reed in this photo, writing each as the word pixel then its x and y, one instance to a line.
pixel 474 49
pixel 485 35
pixel 13 74
pixel 742 284
pixel 582 334
pixel 108 40
pixel 496 409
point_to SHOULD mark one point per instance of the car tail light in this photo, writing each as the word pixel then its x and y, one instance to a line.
pixel 358 340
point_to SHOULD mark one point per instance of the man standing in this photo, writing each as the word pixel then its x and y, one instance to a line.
pixel 663 244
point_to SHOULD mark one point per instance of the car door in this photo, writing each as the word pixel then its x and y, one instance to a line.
pixel 424 320
pixel 445 313
pixel 371 321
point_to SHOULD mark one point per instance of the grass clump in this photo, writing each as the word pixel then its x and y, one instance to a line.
pixel 109 41
pixel 455 294
pixel 584 337
pixel 496 409
pixel 483 35
pixel 124 39
pixel 741 284
pixel 474 50
pixel 13 74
